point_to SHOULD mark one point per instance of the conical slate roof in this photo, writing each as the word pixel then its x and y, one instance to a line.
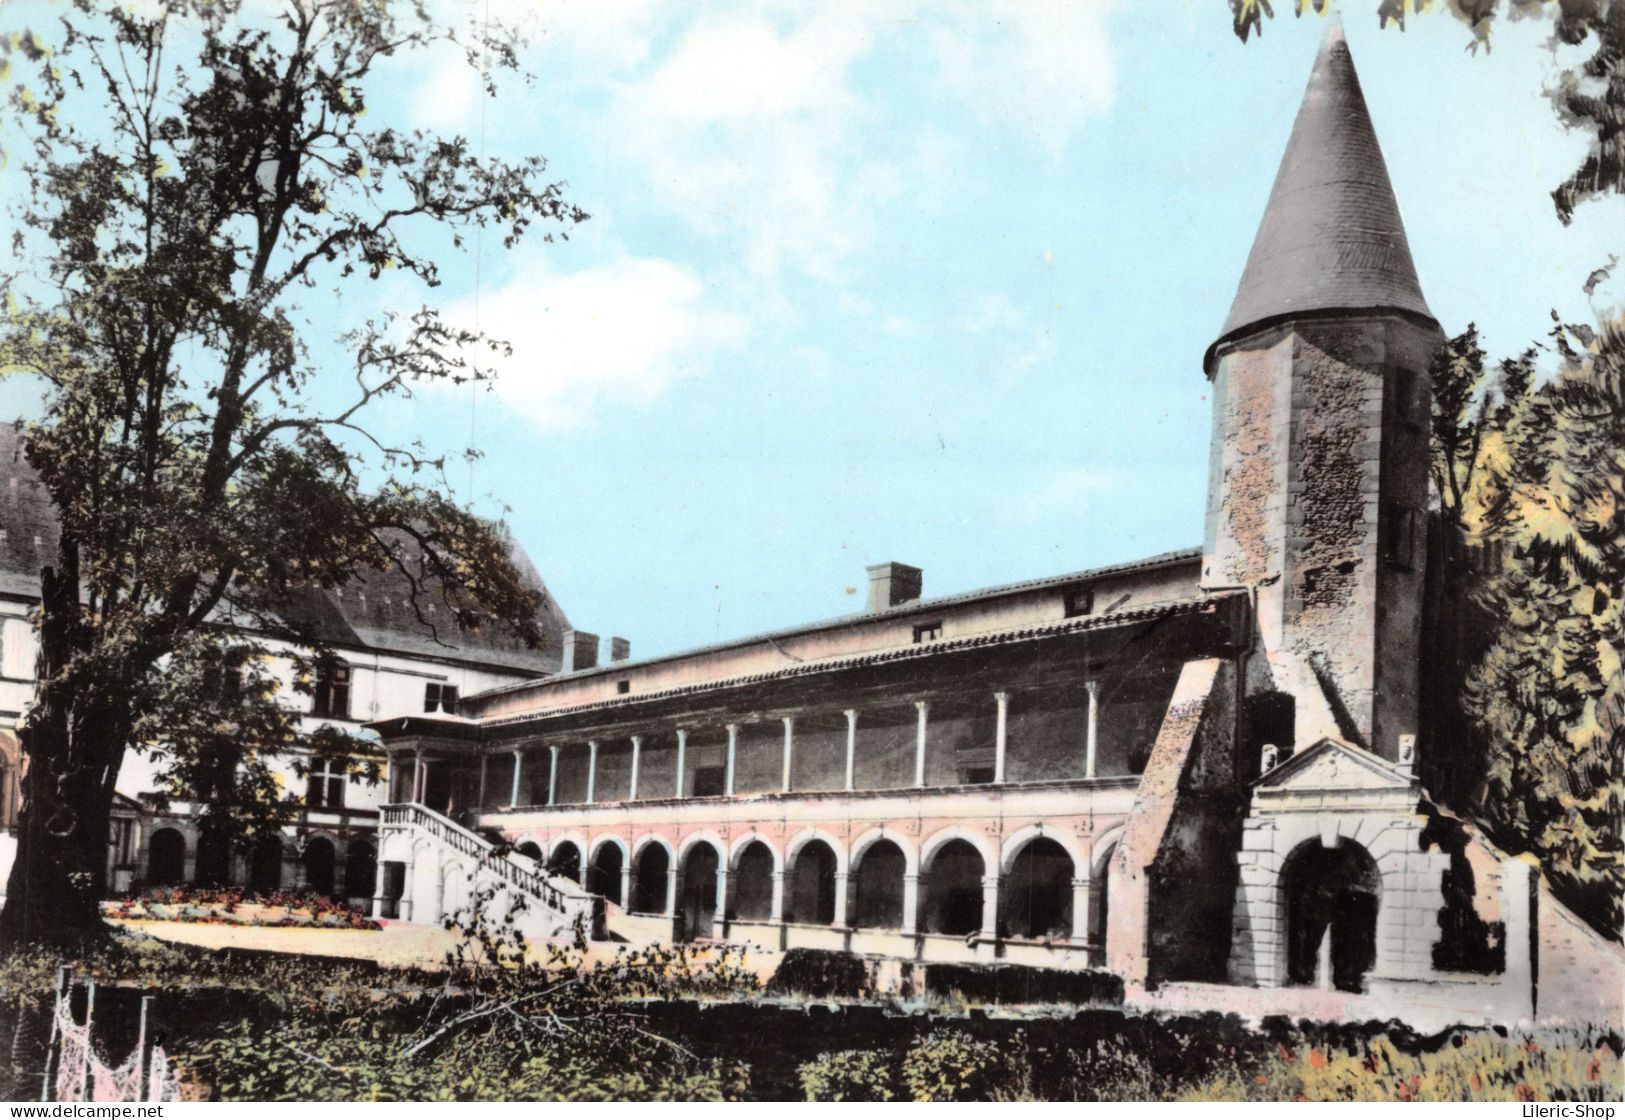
pixel 1331 239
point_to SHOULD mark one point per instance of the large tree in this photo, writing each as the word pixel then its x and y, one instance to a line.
pixel 202 175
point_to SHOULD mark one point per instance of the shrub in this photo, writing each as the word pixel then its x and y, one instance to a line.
pixel 950 1066
pixel 820 972
pixel 1015 983
pixel 850 1075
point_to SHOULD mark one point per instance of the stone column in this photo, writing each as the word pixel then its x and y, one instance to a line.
pixel 777 912
pixel 1080 909
pixel 431 905
pixel 378 879
pixel 671 890
pixel 479 801
pixel 789 751
pixel 553 774
pixel 592 768
pixel 518 762
pixel 923 707
pixel 990 908
pixel 851 743
pixel 417 776
pixel 626 885
pixel 1000 735
pixel 1089 740
pixel 722 896
pixel 911 901
pixel 728 769
pixel 840 899
pixel 637 755
pixel 406 887
pixel 682 750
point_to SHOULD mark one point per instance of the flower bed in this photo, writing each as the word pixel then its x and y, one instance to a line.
pixel 235 906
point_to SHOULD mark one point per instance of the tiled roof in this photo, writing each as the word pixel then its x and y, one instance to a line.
pixel 373 612
pixel 916 606
pixel 1331 239
pixel 1200 604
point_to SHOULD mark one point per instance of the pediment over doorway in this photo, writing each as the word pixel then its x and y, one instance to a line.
pixel 1333 764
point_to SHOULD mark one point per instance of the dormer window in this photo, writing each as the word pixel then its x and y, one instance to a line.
pixel 1080 601
pixel 928 632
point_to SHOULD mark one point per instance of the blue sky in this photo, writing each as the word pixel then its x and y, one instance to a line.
pixel 888 281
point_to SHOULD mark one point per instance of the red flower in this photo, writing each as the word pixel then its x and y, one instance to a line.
pixel 1524 1091
pixel 1317 1060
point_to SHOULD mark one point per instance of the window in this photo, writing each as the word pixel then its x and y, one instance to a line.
pixel 927 632
pixel 1399 535
pixel 976 775
pixel 1080 601
pixel 327 779
pixel 332 699
pixel 623 687
pixel 438 697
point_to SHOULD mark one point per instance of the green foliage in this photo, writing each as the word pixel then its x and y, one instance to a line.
pixel 850 1075
pixel 949 1065
pixel 1548 696
pixel 820 973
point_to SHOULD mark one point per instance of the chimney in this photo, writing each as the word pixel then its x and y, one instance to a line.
pixel 620 649
pixel 580 650
pixel 891 585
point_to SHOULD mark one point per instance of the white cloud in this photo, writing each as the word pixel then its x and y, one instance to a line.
pixel 616 334
pixel 1041 67
pixel 1064 494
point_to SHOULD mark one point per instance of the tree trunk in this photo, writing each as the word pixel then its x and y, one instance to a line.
pixel 57 882
pixel 74 744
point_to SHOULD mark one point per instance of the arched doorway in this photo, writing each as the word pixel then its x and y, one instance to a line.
pixel 530 850
pixel 166 858
pixel 604 876
pixel 753 883
pixel 812 885
pixel 565 861
pixel 1035 899
pixel 1330 898
pixel 649 874
pixel 698 891
pixel 265 866
pixel 878 878
pixel 952 900
pixel 319 859
pixel 360 869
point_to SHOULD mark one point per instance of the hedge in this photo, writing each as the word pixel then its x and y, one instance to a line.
pixel 1017 983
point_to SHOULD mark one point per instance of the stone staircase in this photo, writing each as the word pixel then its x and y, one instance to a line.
pixel 457 865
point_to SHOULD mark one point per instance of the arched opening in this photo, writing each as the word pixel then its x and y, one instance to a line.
pixel 265 866
pixel 565 861
pixel 1330 898
pixel 753 883
pixel 698 891
pixel 812 885
pixel 319 859
pixel 1099 919
pixel 529 849
pixel 360 869
pixel 166 858
pixel 649 874
pixel 878 878
pixel 952 900
pixel 213 867
pixel 1035 898
pixel 604 876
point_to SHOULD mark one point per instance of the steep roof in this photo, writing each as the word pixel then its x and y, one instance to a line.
pixel 1331 239
pixel 374 612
